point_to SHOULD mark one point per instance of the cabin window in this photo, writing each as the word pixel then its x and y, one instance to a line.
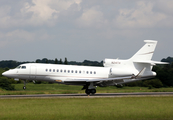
pixel 46 70
pixel 72 71
pixel 49 70
pixel 60 70
pixel 65 71
pixel 80 71
pixel 76 71
pixel 68 71
pixel 90 72
pixel 53 70
pixel 87 72
pixel 57 70
pixel 94 72
pixel 23 67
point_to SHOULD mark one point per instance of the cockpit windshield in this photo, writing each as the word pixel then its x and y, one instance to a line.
pixel 18 67
pixel 21 67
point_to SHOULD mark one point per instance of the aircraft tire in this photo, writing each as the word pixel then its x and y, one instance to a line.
pixel 87 91
pixel 93 91
pixel 24 87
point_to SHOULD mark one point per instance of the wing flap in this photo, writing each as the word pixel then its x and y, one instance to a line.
pixel 109 79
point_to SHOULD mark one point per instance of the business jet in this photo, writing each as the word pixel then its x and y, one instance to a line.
pixel 114 72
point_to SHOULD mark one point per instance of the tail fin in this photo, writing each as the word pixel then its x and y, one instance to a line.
pixel 146 52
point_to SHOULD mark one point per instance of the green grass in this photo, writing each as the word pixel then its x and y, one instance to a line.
pixel 124 108
pixel 64 89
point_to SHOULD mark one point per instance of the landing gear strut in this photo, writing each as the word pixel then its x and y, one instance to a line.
pixel 24 87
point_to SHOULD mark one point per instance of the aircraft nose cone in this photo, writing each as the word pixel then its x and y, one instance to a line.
pixel 10 73
pixel 6 74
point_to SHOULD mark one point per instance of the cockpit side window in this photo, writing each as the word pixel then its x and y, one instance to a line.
pixel 18 67
pixel 23 67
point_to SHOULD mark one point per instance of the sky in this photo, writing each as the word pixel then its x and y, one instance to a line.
pixel 84 29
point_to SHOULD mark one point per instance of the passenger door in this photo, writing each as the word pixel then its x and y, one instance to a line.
pixel 33 72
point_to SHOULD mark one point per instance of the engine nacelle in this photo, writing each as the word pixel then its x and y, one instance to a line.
pixel 114 72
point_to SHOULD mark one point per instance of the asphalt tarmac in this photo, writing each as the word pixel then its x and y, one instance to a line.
pixel 97 95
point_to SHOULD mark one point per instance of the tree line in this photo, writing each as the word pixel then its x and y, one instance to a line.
pixel 12 64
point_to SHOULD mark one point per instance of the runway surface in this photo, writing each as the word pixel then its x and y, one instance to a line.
pixel 97 95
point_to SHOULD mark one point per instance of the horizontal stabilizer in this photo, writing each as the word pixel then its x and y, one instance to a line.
pixel 151 62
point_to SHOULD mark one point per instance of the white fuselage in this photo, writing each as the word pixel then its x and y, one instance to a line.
pixel 64 73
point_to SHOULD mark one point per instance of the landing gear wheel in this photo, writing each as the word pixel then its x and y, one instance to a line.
pixel 24 87
pixel 93 91
pixel 87 91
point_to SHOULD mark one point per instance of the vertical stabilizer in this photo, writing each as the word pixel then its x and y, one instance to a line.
pixel 146 52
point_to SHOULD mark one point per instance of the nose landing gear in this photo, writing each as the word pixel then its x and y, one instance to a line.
pixel 24 87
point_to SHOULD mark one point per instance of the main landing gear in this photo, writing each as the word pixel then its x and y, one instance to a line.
pixel 89 89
